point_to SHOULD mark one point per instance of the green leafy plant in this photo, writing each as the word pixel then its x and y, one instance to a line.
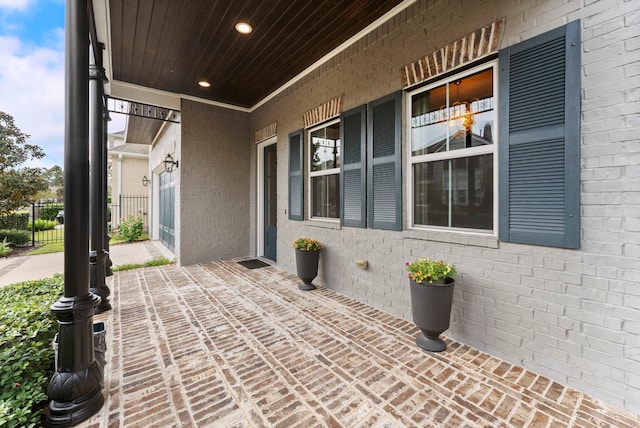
pixel 307 244
pixel 5 249
pixel 50 211
pixel 42 224
pixel 426 270
pixel 16 237
pixel 130 229
pixel 27 328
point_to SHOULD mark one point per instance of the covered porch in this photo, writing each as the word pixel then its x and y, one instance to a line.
pixel 217 344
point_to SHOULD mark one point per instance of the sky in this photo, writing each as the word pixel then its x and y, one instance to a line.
pixel 32 73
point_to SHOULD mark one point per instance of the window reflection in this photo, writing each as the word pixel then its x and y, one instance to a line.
pixel 325 146
pixel 457 115
pixel 454 192
pixel 324 171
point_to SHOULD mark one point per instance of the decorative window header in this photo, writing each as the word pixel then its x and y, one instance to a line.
pixel 473 46
pixel 323 112
pixel 265 133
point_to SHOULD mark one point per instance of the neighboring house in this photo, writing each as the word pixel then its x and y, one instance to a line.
pixel 128 165
pixel 501 136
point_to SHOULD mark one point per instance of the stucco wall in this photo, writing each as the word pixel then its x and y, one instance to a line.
pixel 214 202
pixel 568 314
pixel 133 169
pixel 126 180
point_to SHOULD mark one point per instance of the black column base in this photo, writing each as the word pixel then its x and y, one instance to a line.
pixel 78 409
pixel 75 390
pixel 97 270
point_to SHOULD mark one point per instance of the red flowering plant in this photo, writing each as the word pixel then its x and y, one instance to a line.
pixel 426 270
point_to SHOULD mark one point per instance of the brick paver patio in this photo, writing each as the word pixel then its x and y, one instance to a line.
pixel 223 346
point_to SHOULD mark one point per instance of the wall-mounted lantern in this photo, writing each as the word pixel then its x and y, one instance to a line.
pixel 169 163
pixel 145 181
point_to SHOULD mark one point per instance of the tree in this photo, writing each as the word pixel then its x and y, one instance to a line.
pixel 55 180
pixel 18 185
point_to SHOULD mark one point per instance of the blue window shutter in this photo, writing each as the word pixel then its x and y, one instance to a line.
pixel 296 176
pixel 353 194
pixel 539 145
pixel 384 162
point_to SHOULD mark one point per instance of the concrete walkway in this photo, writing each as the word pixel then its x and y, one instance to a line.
pixel 27 268
pixel 219 345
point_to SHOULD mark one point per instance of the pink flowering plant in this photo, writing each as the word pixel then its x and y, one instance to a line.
pixel 426 270
pixel 307 244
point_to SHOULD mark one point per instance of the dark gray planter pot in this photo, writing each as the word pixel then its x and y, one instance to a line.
pixel 307 268
pixel 431 306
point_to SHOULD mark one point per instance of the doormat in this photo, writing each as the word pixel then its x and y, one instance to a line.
pixel 254 264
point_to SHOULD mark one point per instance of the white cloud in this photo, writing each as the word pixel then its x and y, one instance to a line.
pixel 32 91
pixel 16 4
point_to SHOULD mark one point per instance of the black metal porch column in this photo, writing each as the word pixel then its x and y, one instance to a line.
pixel 97 255
pixel 75 390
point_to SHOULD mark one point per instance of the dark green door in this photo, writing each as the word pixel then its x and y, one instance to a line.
pixel 167 205
pixel 270 202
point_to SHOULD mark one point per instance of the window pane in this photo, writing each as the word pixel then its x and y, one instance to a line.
pixel 454 193
pixel 472 192
pixel 429 122
pixel 471 111
pixel 325 148
pixel 325 193
pixel 464 119
pixel 431 193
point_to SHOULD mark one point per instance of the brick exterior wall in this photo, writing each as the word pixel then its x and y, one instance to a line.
pixel 569 314
pixel 214 199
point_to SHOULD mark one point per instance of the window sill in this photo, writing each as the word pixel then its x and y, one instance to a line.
pixel 462 238
pixel 323 224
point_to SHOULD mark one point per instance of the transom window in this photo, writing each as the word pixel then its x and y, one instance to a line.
pixel 324 170
pixel 453 131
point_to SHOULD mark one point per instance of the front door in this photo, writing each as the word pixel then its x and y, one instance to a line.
pixel 270 202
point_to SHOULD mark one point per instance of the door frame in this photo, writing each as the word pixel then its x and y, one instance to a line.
pixel 260 193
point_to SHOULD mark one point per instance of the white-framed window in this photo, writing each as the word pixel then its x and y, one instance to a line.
pixel 324 170
pixel 452 152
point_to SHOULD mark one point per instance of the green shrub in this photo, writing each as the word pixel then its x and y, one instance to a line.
pixel 18 221
pixel 129 230
pixel 41 224
pixel 50 211
pixel 15 237
pixel 27 328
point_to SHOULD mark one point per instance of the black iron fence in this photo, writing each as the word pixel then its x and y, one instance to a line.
pixel 46 223
pixel 129 206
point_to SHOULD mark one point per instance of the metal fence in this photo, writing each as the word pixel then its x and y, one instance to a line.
pixel 48 226
pixel 129 206
pixel 46 223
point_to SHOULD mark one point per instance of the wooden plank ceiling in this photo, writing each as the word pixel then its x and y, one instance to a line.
pixel 172 44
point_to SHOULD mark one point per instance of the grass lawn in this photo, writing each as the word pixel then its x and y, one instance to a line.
pixel 56 247
pixel 160 261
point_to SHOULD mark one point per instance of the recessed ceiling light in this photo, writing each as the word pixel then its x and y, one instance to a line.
pixel 243 27
pixel 204 84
